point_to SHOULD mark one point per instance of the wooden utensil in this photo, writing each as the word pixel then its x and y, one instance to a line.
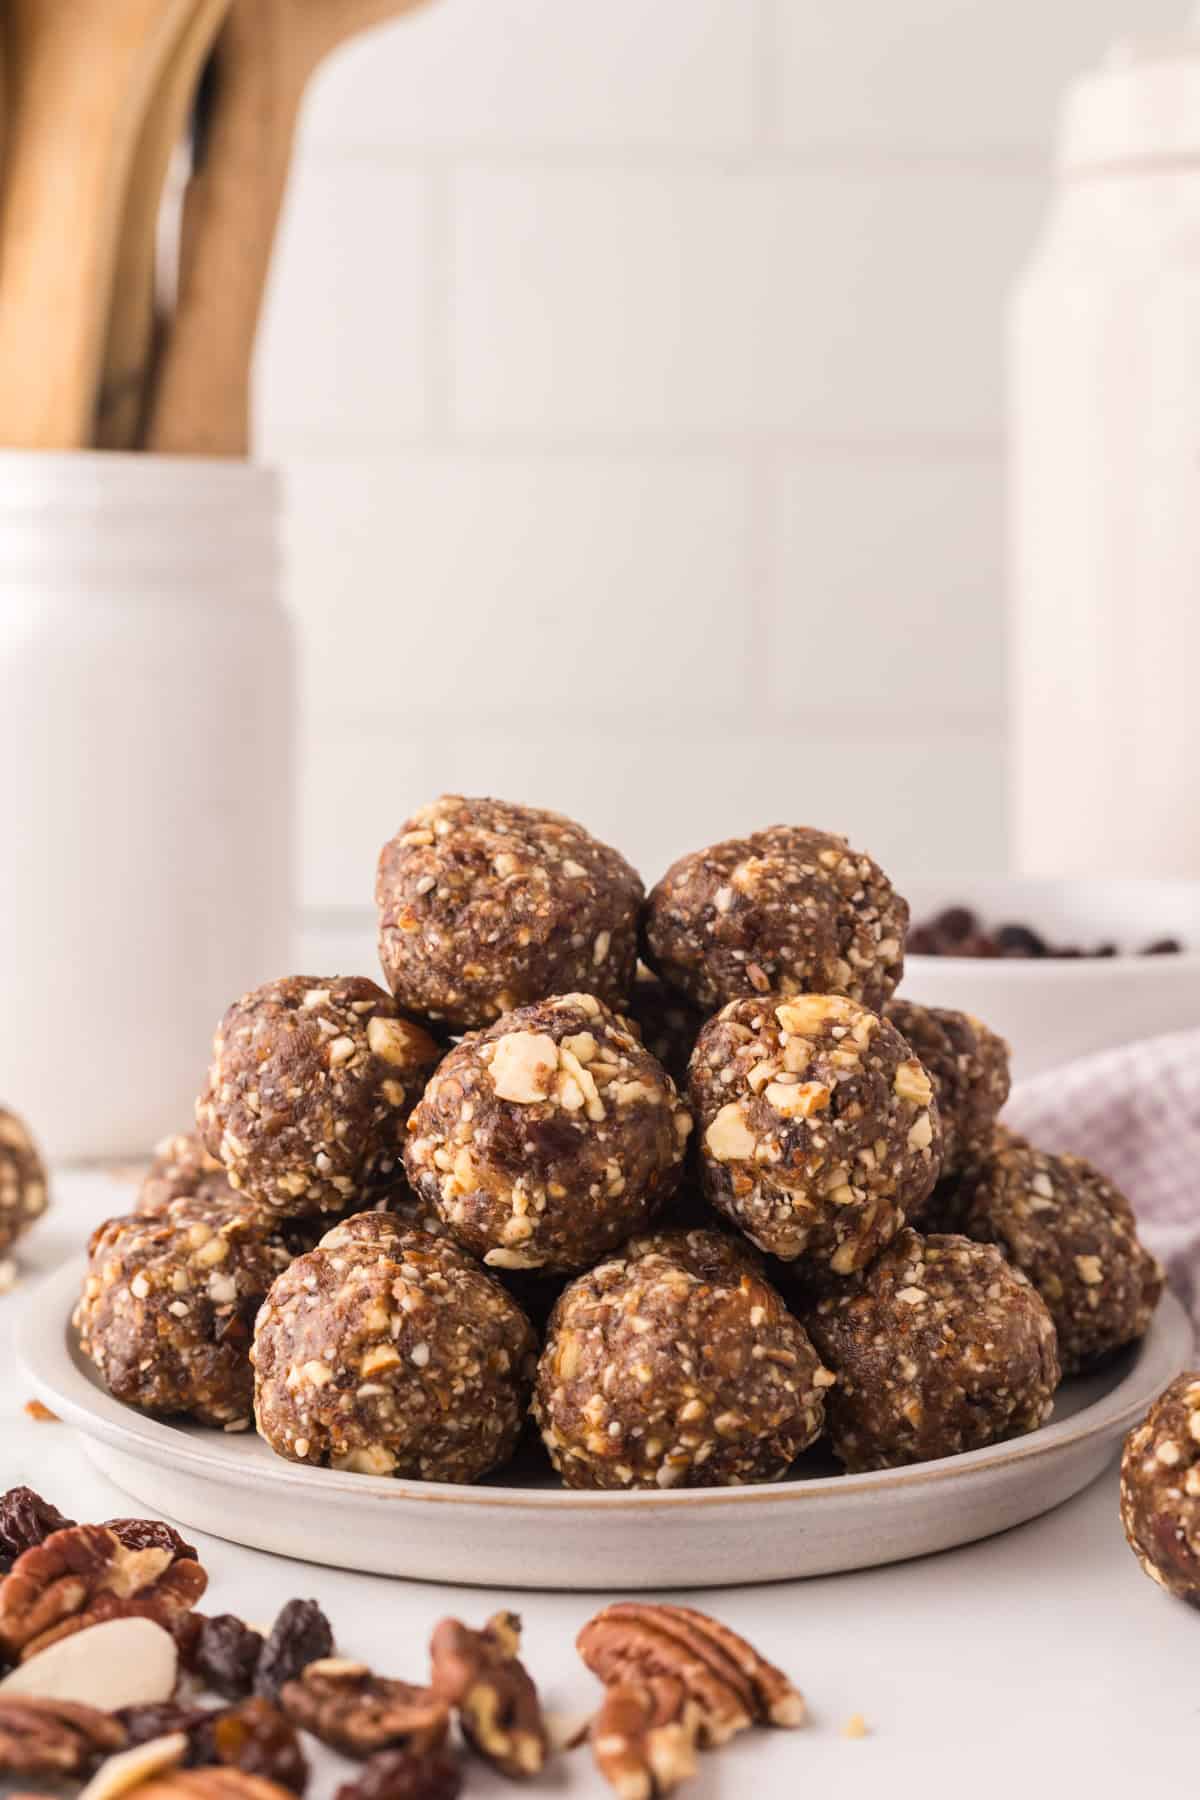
pixel 266 54
pixel 80 76
pixel 129 347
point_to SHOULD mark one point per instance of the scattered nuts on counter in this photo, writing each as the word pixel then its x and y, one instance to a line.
pixel 644 1736
pixel 35 1410
pixel 675 1678
pixel 479 1674
pixel 54 1737
pixel 359 1713
pixel 300 1635
pixel 86 1575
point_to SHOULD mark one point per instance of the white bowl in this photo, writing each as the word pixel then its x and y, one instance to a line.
pixel 1053 1009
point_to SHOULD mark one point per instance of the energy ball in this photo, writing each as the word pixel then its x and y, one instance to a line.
pixel 168 1305
pixel 669 1025
pixel 391 1355
pixel 548 1138
pixel 311 1083
pixel 182 1166
pixel 939 1347
pixel 22 1184
pixel 484 907
pixel 819 1131
pixel 677 1365
pixel 787 911
pixel 1075 1236
pixel 1160 1489
pixel 968 1066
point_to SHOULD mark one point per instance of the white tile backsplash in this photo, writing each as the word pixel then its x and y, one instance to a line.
pixel 925 798
pixel 884 573
pixel 507 73
pixel 839 303
pixel 639 374
pixel 940 75
pixel 345 339
pixel 462 585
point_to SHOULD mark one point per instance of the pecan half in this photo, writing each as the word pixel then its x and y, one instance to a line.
pixel 644 1737
pixel 479 1673
pixel 358 1713
pixel 54 1737
pixel 730 1683
pixel 85 1575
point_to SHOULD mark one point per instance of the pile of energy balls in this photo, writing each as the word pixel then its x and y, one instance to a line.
pixel 693 1213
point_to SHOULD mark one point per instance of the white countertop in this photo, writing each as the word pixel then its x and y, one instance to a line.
pixel 1039 1661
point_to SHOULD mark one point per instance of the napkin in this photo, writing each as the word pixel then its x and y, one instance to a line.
pixel 1135 1113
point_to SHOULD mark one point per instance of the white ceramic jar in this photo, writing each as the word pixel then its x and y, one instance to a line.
pixel 1106 483
pixel 146 726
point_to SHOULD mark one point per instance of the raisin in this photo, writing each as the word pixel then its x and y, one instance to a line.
pixel 1167 946
pixel 256 1738
pixel 225 1655
pixel 151 1534
pixel 25 1521
pixel 956 924
pixel 146 1722
pixel 405 1775
pixel 1019 940
pixel 300 1635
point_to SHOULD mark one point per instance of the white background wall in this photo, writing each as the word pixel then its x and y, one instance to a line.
pixel 638 369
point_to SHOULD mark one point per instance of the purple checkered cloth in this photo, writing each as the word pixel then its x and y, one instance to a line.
pixel 1135 1113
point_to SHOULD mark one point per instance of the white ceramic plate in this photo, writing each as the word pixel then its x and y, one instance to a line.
pixel 519 1531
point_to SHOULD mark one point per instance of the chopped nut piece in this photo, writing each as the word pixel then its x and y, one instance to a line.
pixel 731 1685
pixel 855 1727
pixel 480 1675
pixel 86 1575
pixel 358 1713
pixel 644 1737
pixel 54 1737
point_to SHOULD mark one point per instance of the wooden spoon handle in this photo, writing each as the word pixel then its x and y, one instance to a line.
pixel 201 403
pixel 130 342
pixel 80 77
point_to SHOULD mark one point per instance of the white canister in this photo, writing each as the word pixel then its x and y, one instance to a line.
pixel 146 798
pixel 1105 448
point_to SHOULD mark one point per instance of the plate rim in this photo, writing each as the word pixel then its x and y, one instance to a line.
pixel 43 1325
